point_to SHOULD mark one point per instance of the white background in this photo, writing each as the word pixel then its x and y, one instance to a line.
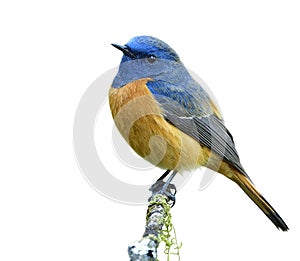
pixel 248 53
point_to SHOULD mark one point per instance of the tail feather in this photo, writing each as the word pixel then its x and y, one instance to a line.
pixel 260 201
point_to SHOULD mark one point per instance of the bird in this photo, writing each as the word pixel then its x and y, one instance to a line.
pixel 169 119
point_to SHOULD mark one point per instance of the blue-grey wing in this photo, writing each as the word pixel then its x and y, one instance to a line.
pixel 192 113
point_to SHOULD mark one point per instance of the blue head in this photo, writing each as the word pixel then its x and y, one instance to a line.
pixel 147 57
pixel 141 47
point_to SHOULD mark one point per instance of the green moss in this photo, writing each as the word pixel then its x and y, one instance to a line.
pixel 168 233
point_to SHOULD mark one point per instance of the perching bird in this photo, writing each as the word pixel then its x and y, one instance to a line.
pixel 170 120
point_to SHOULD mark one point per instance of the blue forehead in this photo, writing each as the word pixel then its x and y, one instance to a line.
pixel 148 45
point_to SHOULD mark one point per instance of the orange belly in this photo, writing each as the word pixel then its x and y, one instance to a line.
pixel 140 121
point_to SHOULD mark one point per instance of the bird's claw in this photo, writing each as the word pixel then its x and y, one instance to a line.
pixel 168 190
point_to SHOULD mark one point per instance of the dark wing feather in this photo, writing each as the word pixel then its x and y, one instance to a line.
pixel 192 114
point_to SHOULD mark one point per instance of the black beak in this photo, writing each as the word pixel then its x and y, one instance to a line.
pixel 124 49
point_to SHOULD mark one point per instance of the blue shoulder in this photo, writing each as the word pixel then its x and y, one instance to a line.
pixel 186 99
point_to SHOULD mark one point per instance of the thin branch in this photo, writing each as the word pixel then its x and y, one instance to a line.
pixel 158 225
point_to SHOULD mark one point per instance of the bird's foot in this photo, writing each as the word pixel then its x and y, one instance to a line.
pixel 165 189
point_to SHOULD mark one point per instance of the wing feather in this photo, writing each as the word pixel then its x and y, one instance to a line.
pixel 193 114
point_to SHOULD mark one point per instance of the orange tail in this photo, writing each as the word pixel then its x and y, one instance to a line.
pixel 247 186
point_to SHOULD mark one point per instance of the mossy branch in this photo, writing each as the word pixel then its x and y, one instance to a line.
pixel 158 228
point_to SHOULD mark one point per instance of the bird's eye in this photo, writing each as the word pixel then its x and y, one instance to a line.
pixel 151 59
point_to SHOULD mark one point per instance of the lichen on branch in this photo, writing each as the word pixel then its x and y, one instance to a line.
pixel 158 229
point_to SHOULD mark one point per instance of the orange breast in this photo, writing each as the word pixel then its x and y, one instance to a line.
pixel 139 119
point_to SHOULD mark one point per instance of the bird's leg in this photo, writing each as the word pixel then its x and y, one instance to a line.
pixel 164 175
pixel 165 188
